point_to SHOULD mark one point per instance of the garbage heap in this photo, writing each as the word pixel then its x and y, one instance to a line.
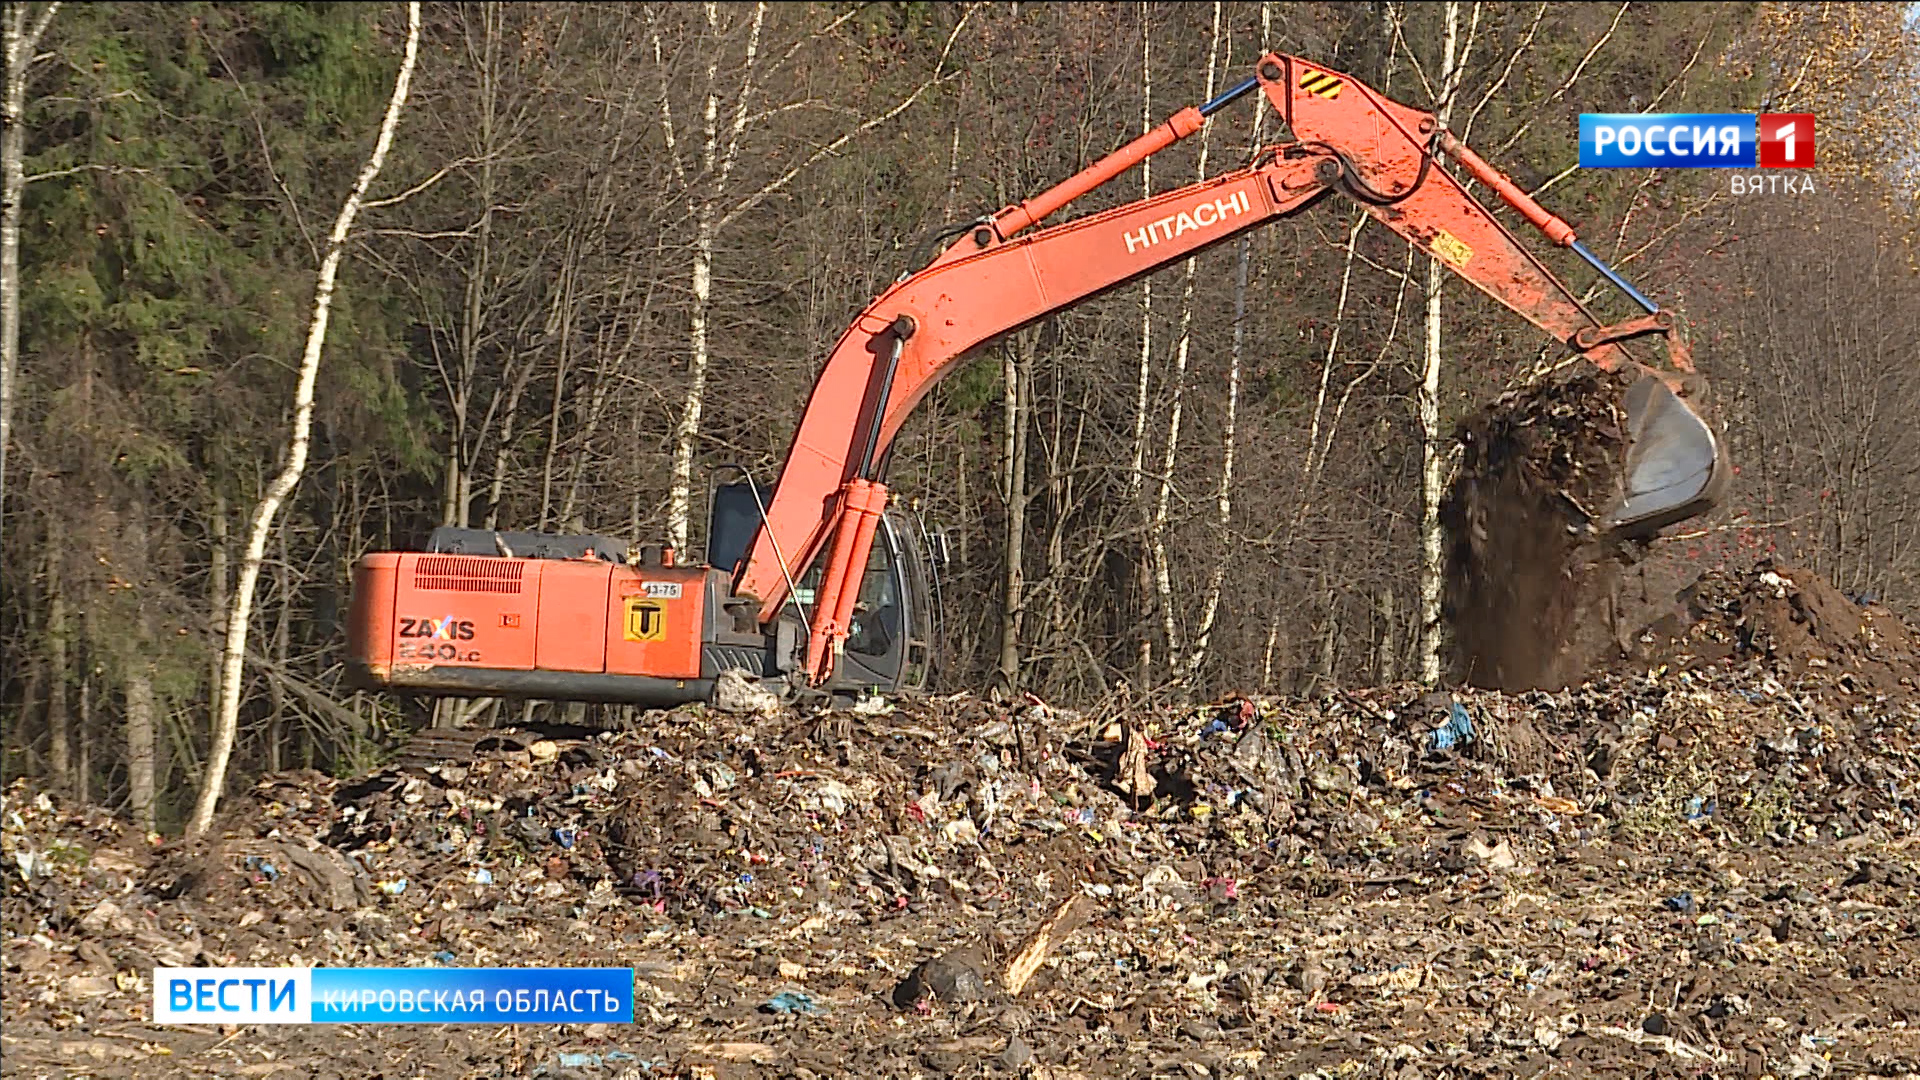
pixel 1699 864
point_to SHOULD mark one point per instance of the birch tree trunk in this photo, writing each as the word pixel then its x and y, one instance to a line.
pixel 1157 531
pixel 1433 442
pixel 687 429
pixel 138 684
pixel 227 717
pixel 21 40
pixel 1223 497
pixel 717 165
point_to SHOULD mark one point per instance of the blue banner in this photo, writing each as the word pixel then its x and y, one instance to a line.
pixel 393 995
pixel 1667 140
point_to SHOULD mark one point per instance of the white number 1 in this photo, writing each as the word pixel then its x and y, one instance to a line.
pixel 1785 135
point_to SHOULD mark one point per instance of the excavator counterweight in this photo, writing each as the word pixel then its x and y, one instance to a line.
pixel 835 590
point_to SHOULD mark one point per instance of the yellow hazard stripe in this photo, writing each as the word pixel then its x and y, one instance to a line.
pixel 1321 83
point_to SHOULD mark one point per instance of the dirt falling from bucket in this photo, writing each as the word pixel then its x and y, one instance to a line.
pixel 1525 595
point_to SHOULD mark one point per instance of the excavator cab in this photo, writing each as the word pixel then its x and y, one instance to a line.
pixel 890 644
pixel 896 615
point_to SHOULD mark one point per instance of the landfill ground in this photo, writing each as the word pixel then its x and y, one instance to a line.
pixel 1700 864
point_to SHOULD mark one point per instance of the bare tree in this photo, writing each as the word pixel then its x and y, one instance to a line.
pixel 1137 468
pixel 1136 472
pixel 58 674
pixel 227 716
pixel 137 679
pixel 1434 443
pixel 714 211
pixel 1223 496
pixel 1017 356
pixel 22 38
pixel 1157 530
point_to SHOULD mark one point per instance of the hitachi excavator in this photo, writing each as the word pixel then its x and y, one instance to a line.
pixel 819 585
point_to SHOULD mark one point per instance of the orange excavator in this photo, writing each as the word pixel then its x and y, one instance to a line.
pixel 817 584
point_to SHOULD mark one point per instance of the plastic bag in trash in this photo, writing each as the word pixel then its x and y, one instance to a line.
pixel 1457 731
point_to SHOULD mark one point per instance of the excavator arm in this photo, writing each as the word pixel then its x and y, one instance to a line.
pixel 1007 271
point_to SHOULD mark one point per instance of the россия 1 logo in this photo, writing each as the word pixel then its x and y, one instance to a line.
pixel 1696 140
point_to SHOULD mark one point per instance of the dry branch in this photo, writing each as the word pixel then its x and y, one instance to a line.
pixel 1052 930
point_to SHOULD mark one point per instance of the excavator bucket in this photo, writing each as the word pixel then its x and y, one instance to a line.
pixel 1675 468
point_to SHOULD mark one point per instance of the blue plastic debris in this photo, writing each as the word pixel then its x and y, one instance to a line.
pixel 1457 731
pixel 444 956
pixel 793 1002
pixel 1684 904
pixel 259 865
pixel 564 837
pixel 570 1059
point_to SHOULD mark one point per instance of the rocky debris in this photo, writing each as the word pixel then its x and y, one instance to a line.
pixel 956 977
pixel 1699 868
pixel 735 691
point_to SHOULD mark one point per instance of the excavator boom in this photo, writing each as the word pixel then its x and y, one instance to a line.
pixel 1340 136
pixel 658 633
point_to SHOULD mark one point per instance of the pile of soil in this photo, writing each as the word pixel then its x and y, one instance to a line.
pixel 1787 618
pixel 1527 583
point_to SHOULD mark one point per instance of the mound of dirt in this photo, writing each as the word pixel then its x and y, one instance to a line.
pixel 1525 588
pixel 1787 617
